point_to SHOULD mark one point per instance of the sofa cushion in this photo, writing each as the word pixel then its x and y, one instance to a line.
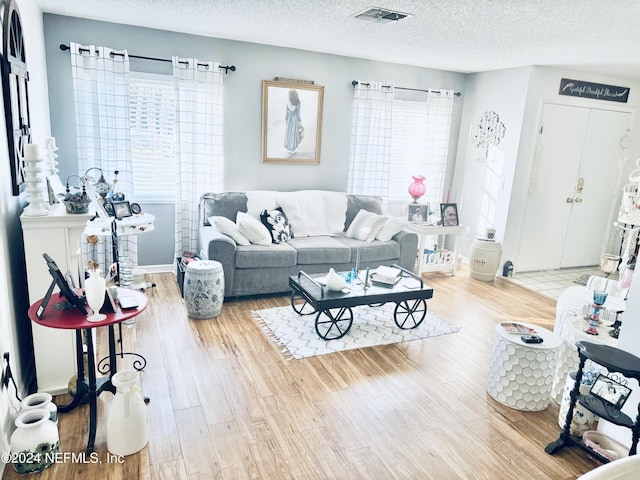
pixel 355 203
pixel 320 250
pixel 278 224
pixel 365 226
pixel 375 251
pixel 253 229
pixel 266 256
pixel 229 228
pixel 222 205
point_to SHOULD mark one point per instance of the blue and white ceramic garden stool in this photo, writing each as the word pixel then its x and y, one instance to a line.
pixel 204 289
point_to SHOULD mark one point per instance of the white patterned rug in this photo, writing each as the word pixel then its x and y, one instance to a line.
pixel 371 326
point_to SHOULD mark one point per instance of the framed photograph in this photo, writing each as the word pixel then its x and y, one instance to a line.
pixel 609 391
pixel 449 214
pixel 418 213
pixel 107 204
pixel 66 290
pixel 101 211
pixel 291 122
pixel 121 209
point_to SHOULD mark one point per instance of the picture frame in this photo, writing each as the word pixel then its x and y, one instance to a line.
pixel 449 214
pixel 418 213
pixel 107 204
pixel 122 209
pixel 291 122
pixel 66 290
pixel 101 211
pixel 610 391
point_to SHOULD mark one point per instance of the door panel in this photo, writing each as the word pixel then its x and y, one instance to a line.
pixel 589 219
pixel 558 153
pixel 564 227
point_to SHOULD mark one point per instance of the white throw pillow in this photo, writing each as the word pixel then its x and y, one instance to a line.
pixel 392 226
pixel 366 226
pixel 229 228
pixel 253 229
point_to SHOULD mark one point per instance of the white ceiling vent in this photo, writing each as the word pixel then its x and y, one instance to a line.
pixel 381 15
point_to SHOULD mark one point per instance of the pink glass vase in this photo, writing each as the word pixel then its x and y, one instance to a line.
pixel 417 188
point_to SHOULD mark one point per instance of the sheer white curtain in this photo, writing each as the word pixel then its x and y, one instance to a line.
pixel 101 93
pixel 199 134
pixel 370 155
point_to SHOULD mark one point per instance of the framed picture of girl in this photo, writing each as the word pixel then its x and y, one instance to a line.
pixel 291 122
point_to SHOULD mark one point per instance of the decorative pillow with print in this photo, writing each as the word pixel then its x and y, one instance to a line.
pixel 278 225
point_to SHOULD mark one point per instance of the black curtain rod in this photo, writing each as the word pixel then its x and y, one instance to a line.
pixel 64 48
pixel 355 82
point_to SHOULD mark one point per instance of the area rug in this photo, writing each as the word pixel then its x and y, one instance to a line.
pixel 372 325
pixel 582 279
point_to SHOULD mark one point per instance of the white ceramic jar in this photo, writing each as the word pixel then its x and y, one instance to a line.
pixel 40 400
pixel 127 430
pixel 35 442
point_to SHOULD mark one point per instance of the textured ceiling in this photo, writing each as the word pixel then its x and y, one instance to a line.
pixel 457 35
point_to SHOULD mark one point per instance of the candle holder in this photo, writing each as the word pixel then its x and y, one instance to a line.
pixel 37 202
pixel 52 155
pixel 599 298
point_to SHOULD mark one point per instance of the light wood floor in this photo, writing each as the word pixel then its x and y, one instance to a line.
pixel 226 404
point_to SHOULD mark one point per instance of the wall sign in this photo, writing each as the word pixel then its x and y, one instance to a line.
pixel 597 91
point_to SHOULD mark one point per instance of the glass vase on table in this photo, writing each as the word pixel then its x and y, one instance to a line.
pixel 94 290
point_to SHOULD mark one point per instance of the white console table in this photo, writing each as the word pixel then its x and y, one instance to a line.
pixel 433 255
pixel 57 234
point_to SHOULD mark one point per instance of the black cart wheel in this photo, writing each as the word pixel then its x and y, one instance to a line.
pixel 334 323
pixel 409 314
pixel 300 305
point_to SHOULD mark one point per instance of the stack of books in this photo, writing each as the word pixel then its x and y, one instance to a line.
pixel 386 275
pixel 187 258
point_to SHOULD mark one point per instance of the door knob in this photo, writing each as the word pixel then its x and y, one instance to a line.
pixel 578 200
pixel 569 200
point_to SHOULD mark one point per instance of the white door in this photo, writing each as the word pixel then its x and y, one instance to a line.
pixel 595 188
pixel 565 227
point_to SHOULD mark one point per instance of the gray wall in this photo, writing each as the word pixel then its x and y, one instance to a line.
pixel 244 169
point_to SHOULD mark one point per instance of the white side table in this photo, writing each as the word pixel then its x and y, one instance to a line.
pixel 521 374
pixel 433 260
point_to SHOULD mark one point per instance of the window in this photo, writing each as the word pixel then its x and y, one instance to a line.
pixel 152 120
pixel 419 146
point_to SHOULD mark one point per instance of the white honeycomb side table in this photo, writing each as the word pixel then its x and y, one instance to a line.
pixel 521 374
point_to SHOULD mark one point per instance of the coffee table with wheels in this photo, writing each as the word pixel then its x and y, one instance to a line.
pixel 334 316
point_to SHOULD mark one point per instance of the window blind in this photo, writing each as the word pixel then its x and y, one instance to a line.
pixel 152 122
pixel 420 146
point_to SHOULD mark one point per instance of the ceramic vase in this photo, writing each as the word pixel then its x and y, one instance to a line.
pixel 583 419
pixel 127 430
pixel 94 290
pixel 35 442
pixel 417 188
pixel 334 281
pixel 40 400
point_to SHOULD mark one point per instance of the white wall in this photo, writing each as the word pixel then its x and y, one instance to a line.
pixel 481 180
pixel 244 169
pixel 517 95
pixel 14 323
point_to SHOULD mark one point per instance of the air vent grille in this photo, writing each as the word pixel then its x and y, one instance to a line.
pixel 381 15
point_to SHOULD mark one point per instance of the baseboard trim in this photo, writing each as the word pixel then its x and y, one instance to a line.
pixel 168 268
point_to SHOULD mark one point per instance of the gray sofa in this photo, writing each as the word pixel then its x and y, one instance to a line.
pixel 265 269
